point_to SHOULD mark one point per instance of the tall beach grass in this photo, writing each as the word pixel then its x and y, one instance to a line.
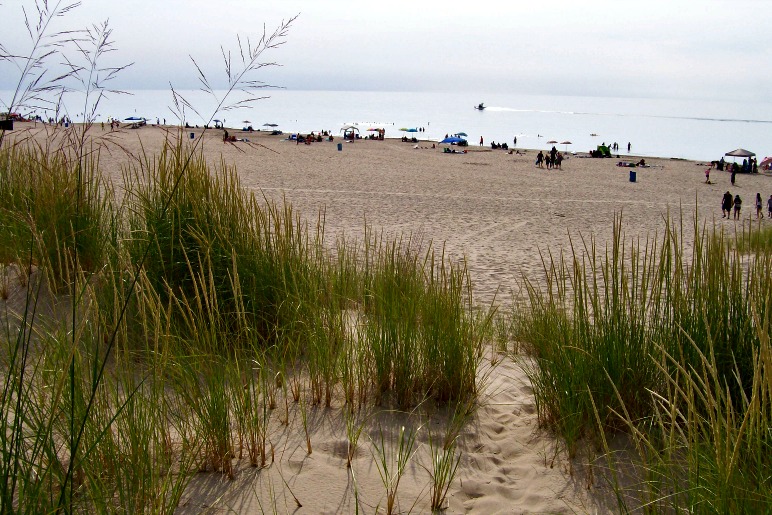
pixel 668 343
pixel 201 308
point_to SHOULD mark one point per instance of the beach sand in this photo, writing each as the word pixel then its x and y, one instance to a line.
pixel 502 214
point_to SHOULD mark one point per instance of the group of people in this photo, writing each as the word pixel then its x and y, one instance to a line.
pixel 734 204
pixel 748 166
pixel 553 159
pixel 615 146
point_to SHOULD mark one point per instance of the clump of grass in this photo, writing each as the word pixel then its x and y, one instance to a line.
pixel 755 238
pixel 445 458
pixel 700 451
pixel 589 320
pixel 422 334
pixel 46 205
pixel 668 345
pixel 391 458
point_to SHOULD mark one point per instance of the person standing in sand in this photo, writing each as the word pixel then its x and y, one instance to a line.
pixel 481 141
pixel 707 176
pixel 732 177
pixel 738 203
pixel 629 147
pixel 769 207
pixel 759 207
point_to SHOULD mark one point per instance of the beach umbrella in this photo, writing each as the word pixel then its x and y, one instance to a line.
pixel 451 140
pixel 550 142
pixel 766 162
pixel 566 143
pixel 462 134
pixel 403 129
pixel 245 121
pixel 134 119
pixel 412 129
pixel 270 125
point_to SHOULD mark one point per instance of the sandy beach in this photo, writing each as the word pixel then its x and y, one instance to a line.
pixel 500 213
pixel 498 210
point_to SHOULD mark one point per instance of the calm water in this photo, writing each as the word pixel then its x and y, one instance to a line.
pixel 692 129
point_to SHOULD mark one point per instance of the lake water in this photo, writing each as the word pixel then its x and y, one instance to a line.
pixel 692 129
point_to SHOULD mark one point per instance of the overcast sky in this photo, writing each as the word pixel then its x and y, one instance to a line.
pixel 649 48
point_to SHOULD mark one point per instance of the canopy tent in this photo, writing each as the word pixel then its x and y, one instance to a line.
pixel 348 132
pixel 740 152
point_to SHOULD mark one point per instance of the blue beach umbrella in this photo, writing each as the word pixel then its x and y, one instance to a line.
pixel 452 139
pixel 461 134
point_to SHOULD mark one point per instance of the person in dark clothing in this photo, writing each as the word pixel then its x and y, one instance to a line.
pixel 726 205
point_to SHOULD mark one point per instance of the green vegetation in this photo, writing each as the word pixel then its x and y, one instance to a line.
pixel 56 213
pixel 670 344
pixel 756 237
pixel 239 305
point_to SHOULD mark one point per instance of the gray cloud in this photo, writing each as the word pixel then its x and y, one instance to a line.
pixel 656 48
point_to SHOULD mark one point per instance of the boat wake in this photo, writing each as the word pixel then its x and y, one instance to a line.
pixel 667 117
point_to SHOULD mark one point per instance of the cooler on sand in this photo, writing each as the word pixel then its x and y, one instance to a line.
pixel 632 175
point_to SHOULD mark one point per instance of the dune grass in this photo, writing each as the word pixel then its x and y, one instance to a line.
pixel 237 305
pixel 45 207
pixel 669 344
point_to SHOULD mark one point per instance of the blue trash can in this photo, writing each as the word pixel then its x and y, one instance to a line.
pixel 632 175
pixel 66 124
pixel 340 147
pixel 192 135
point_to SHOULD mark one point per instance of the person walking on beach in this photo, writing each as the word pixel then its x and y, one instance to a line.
pixel 707 176
pixel 759 207
pixel 731 177
pixel 726 205
pixel 539 158
pixel 514 142
pixel 769 207
pixel 481 141
pixel 737 206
